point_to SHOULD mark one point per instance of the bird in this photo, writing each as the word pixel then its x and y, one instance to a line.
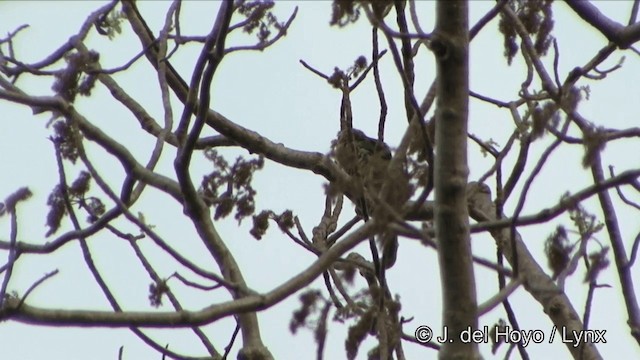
pixel 363 158
pixel 366 160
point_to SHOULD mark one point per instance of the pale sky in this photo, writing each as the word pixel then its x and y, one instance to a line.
pixel 271 93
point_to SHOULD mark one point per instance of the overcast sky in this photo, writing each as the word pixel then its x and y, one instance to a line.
pixel 271 93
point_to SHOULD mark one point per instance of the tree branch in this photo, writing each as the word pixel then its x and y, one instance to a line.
pixel 623 36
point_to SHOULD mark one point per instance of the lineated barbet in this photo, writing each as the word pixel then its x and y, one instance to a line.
pixel 367 160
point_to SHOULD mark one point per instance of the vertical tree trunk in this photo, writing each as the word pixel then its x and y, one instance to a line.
pixel 450 45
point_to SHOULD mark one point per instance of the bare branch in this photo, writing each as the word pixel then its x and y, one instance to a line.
pixel 623 36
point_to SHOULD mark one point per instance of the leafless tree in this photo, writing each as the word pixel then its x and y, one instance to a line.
pixel 418 190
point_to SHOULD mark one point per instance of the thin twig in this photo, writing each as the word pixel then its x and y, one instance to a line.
pixel 265 44
pixel 310 68
pixel 36 284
